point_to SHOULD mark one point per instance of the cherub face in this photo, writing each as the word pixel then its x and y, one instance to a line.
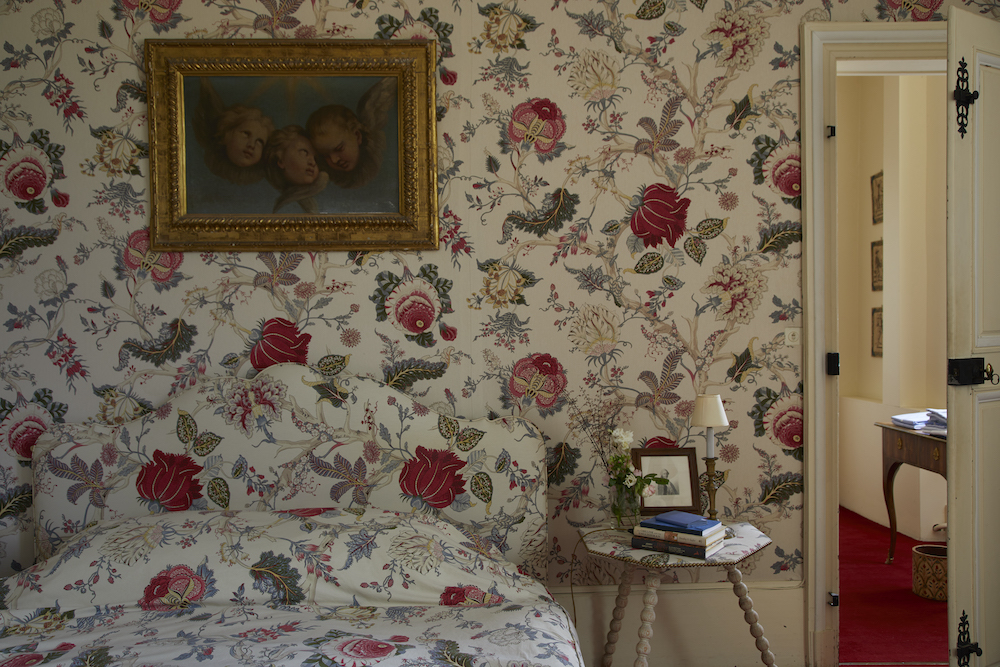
pixel 298 161
pixel 339 147
pixel 245 143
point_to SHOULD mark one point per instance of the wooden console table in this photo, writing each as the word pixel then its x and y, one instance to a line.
pixel 903 445
pixel 606 543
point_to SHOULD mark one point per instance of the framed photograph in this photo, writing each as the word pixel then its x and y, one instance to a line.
pixel 877 198
pixel 877 266
pixel 877 332
pixel 680 468
pixel 280 144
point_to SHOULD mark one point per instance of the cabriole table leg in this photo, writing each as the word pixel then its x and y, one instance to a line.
pixel 624 588
pixel 746 604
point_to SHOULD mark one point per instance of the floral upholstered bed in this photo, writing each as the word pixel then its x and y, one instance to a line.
pixel 295 518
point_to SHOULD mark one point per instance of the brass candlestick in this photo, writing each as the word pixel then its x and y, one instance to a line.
pixel 711 485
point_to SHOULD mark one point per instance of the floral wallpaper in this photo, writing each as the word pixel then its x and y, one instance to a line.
pixel 620 216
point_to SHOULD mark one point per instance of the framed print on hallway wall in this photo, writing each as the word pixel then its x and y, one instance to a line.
pixel 877 266
pixel 680 467
pixel 877 198
pixel 877 332
pixel 305 144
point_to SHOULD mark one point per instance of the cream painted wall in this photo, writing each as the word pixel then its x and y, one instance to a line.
pixel 887 123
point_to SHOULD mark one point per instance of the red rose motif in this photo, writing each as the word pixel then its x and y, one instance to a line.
pixel 783 422
pixel 21 427
pixel 448 77
pixel 660 442
pixel 432 476
pixel 60 199
pixel 469 596
pixel 279 342
pixel 173 589
pixel 447 332
pixel 413 306
pixel 453 596
pixel 540 377
pixel 783 170
pixel 159 12
pixel 169 479
pixel 922 11
pixel 138 256
pixel 25 171
pixel 23 660
pixel 537 121
pixel 357 651
pixel 660 216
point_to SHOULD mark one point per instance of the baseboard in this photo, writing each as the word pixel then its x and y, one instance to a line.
pixel 695 624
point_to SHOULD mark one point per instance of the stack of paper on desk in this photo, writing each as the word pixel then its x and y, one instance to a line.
pixel 915 420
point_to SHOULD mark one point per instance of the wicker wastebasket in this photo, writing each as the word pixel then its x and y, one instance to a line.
pixel 930 571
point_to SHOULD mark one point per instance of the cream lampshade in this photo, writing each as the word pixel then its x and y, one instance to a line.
pixel 709 413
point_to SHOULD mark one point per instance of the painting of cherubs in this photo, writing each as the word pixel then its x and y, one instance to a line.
pixel 325 144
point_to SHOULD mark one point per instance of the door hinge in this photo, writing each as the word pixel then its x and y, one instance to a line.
pixel 834 599
pixel 833 363
pixel 831 131
pixel 965 646
pixel 963 97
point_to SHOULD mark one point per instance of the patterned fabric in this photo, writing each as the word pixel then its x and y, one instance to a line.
pixel 289 439
pixel 309 587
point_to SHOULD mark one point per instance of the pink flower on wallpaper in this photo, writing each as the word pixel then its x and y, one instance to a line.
pixel 25 171
pixel 173 589
pixel 170 480
pixel 357 651
pixel 783 169
pixel 539 377
pixel 783 422
pixel 433 476
pixel 23 660
pixel 159 12
pixel 413 306
pixel 138 256
pixel 537 121
pixel 279 341
pixel 660 215
pixel 921 11
pixel 21 427
pixel 245 405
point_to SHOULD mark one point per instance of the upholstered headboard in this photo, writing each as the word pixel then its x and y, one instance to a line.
pixel 292 438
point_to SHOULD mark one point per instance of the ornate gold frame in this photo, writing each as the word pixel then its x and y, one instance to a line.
pixel 412 63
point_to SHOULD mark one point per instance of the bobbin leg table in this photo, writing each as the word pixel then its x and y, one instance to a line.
pixel 606 543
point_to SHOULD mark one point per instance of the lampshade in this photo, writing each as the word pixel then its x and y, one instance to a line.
pixel 708 411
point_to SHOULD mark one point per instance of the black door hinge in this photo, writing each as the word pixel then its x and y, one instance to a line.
pixel 963 97
pixel 831 131
pixel 834 599
pixel 833 363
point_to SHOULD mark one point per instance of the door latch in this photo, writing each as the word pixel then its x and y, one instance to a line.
pixel 965 647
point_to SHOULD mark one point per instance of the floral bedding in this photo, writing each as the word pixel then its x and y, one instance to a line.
pixel 302 587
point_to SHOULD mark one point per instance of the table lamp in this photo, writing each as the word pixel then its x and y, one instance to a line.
pixel 709 413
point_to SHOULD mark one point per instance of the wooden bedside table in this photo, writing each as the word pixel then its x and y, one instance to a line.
pixel 607 543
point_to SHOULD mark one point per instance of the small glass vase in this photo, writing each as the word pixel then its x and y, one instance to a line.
pixel 625 507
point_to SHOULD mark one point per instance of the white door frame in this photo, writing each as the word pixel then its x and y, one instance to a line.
pixel 822 45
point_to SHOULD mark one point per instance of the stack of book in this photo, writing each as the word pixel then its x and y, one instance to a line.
pixel 680 533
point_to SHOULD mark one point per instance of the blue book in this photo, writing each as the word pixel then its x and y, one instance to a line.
pixel 683 522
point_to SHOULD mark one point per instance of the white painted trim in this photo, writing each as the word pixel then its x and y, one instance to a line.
pixel 819 478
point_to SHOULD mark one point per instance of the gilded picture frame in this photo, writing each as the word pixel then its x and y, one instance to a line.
pixel 681 468
pixel 281 144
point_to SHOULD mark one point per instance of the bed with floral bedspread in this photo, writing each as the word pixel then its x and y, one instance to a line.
pixel 295 518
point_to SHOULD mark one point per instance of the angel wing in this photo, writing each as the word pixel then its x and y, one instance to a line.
pixel 375 105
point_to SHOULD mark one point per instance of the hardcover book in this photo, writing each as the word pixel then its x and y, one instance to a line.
pixel 702 527
pixel 682 538
pixel 691 550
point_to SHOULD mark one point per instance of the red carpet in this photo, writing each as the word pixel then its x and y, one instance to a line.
pixel 882 620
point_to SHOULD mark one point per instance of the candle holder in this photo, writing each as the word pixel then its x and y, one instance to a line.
pixel 713 482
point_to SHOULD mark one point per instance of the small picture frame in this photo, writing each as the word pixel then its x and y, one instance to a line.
pixel 877 332
pixel 877 266
pixel 681 468
pixel 877 198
